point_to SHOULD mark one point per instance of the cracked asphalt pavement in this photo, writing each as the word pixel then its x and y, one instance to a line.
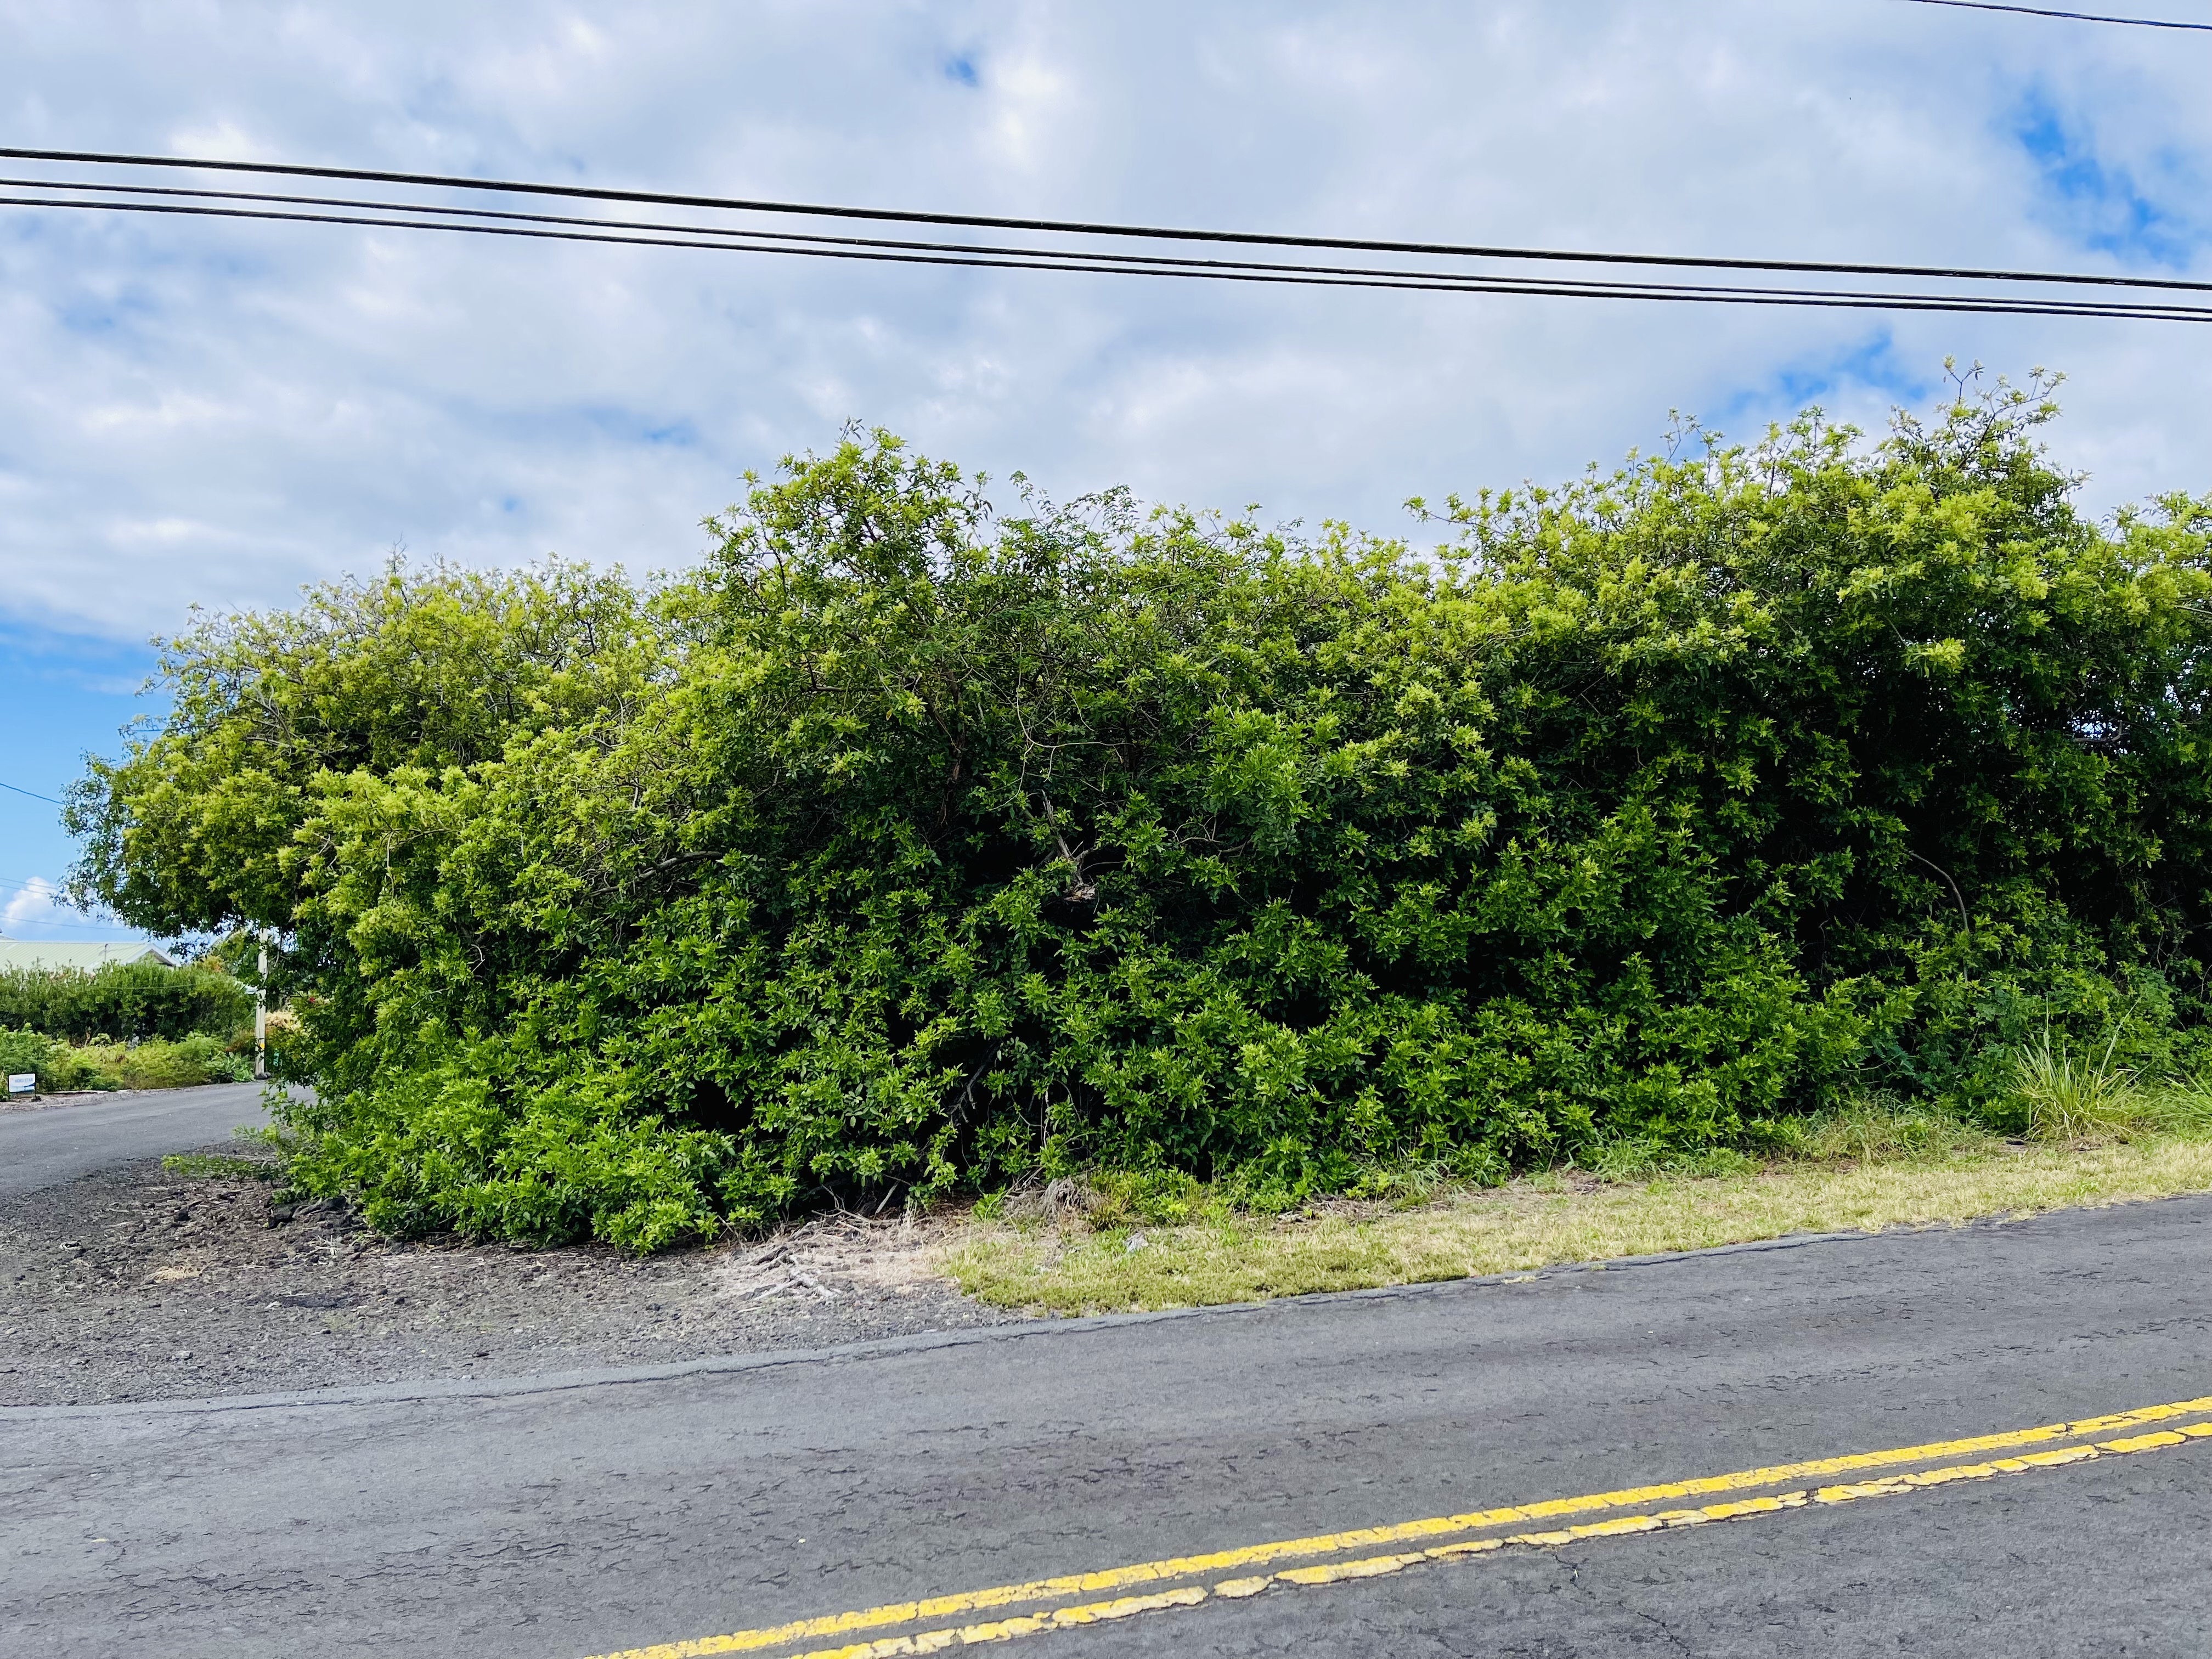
pixel 545 1519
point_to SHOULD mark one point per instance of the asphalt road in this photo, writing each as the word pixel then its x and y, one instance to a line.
pixel 550 1519
pixel 44 1148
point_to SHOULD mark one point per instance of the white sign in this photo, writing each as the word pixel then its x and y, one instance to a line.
pixel 22 1082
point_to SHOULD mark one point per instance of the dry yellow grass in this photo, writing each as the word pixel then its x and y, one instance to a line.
pixel 1071 1269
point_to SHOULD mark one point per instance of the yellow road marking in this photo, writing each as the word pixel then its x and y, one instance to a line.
pixel 1187 1566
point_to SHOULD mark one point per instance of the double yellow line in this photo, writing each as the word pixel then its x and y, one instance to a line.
pixel 2056 1445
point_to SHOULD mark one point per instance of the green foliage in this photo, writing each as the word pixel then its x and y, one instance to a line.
pixel 2063 1093
pixel 905 846
pixel 62 1068
pixel 40 1056
pixel 196 828
pixel 1158 1197
pixel 123 1002
pixel 199 1057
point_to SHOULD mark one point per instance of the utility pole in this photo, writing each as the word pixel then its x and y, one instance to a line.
pixel 261 1017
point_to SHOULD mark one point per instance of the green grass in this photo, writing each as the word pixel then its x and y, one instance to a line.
pixel 1869 1167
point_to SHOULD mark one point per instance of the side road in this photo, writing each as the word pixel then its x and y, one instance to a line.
pixel 552 1519
pixel 42 1149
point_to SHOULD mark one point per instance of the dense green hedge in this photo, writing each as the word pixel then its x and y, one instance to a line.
pixel 905 845
pixel 123 1002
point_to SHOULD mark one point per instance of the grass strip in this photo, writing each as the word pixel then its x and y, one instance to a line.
pixel 1224 1257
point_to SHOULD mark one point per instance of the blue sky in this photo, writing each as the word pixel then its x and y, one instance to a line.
pixel 215 414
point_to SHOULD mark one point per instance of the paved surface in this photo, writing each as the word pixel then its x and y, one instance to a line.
pixel 554 1521
pixel 45 1148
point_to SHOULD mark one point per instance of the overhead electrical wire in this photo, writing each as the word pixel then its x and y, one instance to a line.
pixel 34 794
pixel 2094 280
pixel 1060 227
pixel 108 927
pixel 2069 16
pixel 749 233
pixel 724 239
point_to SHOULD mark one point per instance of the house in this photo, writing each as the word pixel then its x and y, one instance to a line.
pixel 49 954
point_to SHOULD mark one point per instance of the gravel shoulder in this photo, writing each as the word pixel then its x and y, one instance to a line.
pixel 142 1283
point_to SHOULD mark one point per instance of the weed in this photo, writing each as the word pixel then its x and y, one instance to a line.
pixel 209 1164
pixel 1882 1129
pixel 1156 1197
pixel 2179 1105
pixel 1631 1160
pixel 2070 1096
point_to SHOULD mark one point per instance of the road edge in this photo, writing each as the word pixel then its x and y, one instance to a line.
pixel 449 1388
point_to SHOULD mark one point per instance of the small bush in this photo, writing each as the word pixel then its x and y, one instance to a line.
pixel 28 1051
pixel 1159 1197
pixel 59 1068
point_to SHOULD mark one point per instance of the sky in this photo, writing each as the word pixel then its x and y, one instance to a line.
pixel 199 413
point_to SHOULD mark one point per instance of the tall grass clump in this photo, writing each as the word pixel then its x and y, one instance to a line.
pixel 2073 1095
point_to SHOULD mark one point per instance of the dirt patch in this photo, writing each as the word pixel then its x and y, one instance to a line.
pixel 144 1284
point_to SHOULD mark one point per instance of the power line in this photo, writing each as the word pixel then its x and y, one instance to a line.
pixel 81 926
pixel 48 799
pixel 754 233
pixel 1059 227
pixel 2070 16
pixel 375 215
pixel 754 238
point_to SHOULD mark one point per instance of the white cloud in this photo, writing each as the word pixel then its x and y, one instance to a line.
pixel 35 903
pixel 216 412
pixel 34 909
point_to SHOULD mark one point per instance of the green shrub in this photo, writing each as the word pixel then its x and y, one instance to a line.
pixel 59 1068
pixel 123 1001
pixel 62 1068
pixel 28 1051
pixel 907 845
pixel 189 1060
